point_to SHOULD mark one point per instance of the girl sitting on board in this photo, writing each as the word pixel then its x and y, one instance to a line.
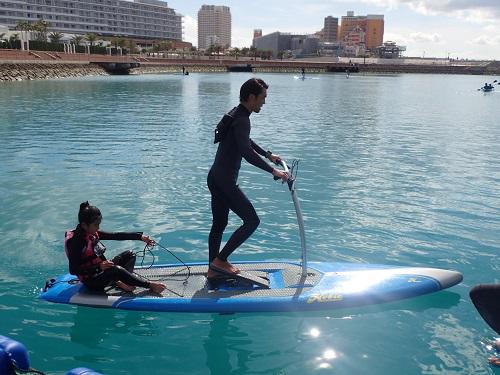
pixel 86 257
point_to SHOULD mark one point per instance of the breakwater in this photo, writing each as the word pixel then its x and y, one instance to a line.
pixel 42 69
pixel 18 71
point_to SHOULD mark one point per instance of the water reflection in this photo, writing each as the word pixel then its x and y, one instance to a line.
pixel 92 327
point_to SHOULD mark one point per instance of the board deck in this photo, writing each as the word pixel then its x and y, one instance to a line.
pixel 326 286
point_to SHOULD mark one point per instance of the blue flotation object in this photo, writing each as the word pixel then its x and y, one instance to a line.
pixel 13 355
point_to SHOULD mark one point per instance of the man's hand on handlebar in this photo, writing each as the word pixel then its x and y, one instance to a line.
pixel 280 175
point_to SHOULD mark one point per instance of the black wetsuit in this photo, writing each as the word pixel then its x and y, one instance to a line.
pixel 226 195
pixel 486 298
pixel 93 276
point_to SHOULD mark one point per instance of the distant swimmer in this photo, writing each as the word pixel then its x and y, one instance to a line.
pixel 303 73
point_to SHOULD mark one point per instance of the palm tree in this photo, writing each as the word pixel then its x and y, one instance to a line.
pixel 55 37
pixel 25 27
pixel 91 38
pixel 40 27
pixel 235 52
pixel 77 39
pixel 253 52
pixel 132 46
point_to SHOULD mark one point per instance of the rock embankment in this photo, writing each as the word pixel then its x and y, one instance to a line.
pixel 154 69
pixel 35 71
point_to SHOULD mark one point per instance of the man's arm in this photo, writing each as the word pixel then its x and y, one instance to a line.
pixel 258 149
pixel 245 145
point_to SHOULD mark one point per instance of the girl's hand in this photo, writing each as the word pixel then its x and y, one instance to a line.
pixel 106 264
pixel 148 240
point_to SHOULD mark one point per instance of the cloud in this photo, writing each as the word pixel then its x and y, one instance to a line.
pixel 471 10
pixel 420 37
pixel 190 30
pixel 486 40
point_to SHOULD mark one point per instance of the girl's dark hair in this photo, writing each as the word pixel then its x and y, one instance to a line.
pixel 88 214
pixel 252 86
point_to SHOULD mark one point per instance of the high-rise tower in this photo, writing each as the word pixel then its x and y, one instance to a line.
pixel 214 26
pixel 330 29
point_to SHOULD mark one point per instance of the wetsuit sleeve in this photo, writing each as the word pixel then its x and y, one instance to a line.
pixel 244 143
pixel 257 148
pixel 120 236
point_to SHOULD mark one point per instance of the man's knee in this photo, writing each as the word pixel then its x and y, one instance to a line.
pixel 253 223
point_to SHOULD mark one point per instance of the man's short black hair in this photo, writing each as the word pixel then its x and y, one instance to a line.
pixel 253 86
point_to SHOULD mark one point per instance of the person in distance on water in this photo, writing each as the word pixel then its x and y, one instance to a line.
pixel 86 257
pixel 222 178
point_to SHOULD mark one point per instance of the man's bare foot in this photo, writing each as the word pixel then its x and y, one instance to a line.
pixel 212 273
pixel 226 266
pixel 125 287
pixel 156 287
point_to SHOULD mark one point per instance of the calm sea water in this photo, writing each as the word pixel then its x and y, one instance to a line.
pixel 398 169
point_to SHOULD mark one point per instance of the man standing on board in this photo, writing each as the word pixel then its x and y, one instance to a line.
pixel 234 145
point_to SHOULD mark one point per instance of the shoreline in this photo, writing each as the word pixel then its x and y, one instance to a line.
pixel 22 70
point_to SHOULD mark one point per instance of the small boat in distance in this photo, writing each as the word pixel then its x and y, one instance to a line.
pixel 488 87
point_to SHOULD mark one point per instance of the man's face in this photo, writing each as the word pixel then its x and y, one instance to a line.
pixel 259 100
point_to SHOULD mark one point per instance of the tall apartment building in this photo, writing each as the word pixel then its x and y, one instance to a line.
pixel 367 30
pixel 214 26
pixel 374 31
pixel 149 19
pixel 330 29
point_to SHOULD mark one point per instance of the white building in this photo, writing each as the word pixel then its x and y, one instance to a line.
pixel 214 26
pixel 149 19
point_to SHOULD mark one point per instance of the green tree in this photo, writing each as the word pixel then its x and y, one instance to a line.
pixel 91 38
pixel 55 37
pixel 253 52
pixel 77 39
pixel 235 52
pixel 25 27
pixel 40 28
pixel 132 46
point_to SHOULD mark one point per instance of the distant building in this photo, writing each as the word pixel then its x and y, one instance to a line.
pixel 214 26
pixel 149 19
pixel 362 32
pixel 374 31
pixel 278 42
pixel 330 29
pixel 389 50
pixel 275 42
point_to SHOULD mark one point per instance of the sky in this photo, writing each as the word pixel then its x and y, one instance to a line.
pixel 428 28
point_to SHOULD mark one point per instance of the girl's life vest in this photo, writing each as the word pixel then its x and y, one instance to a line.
pixel 90 255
